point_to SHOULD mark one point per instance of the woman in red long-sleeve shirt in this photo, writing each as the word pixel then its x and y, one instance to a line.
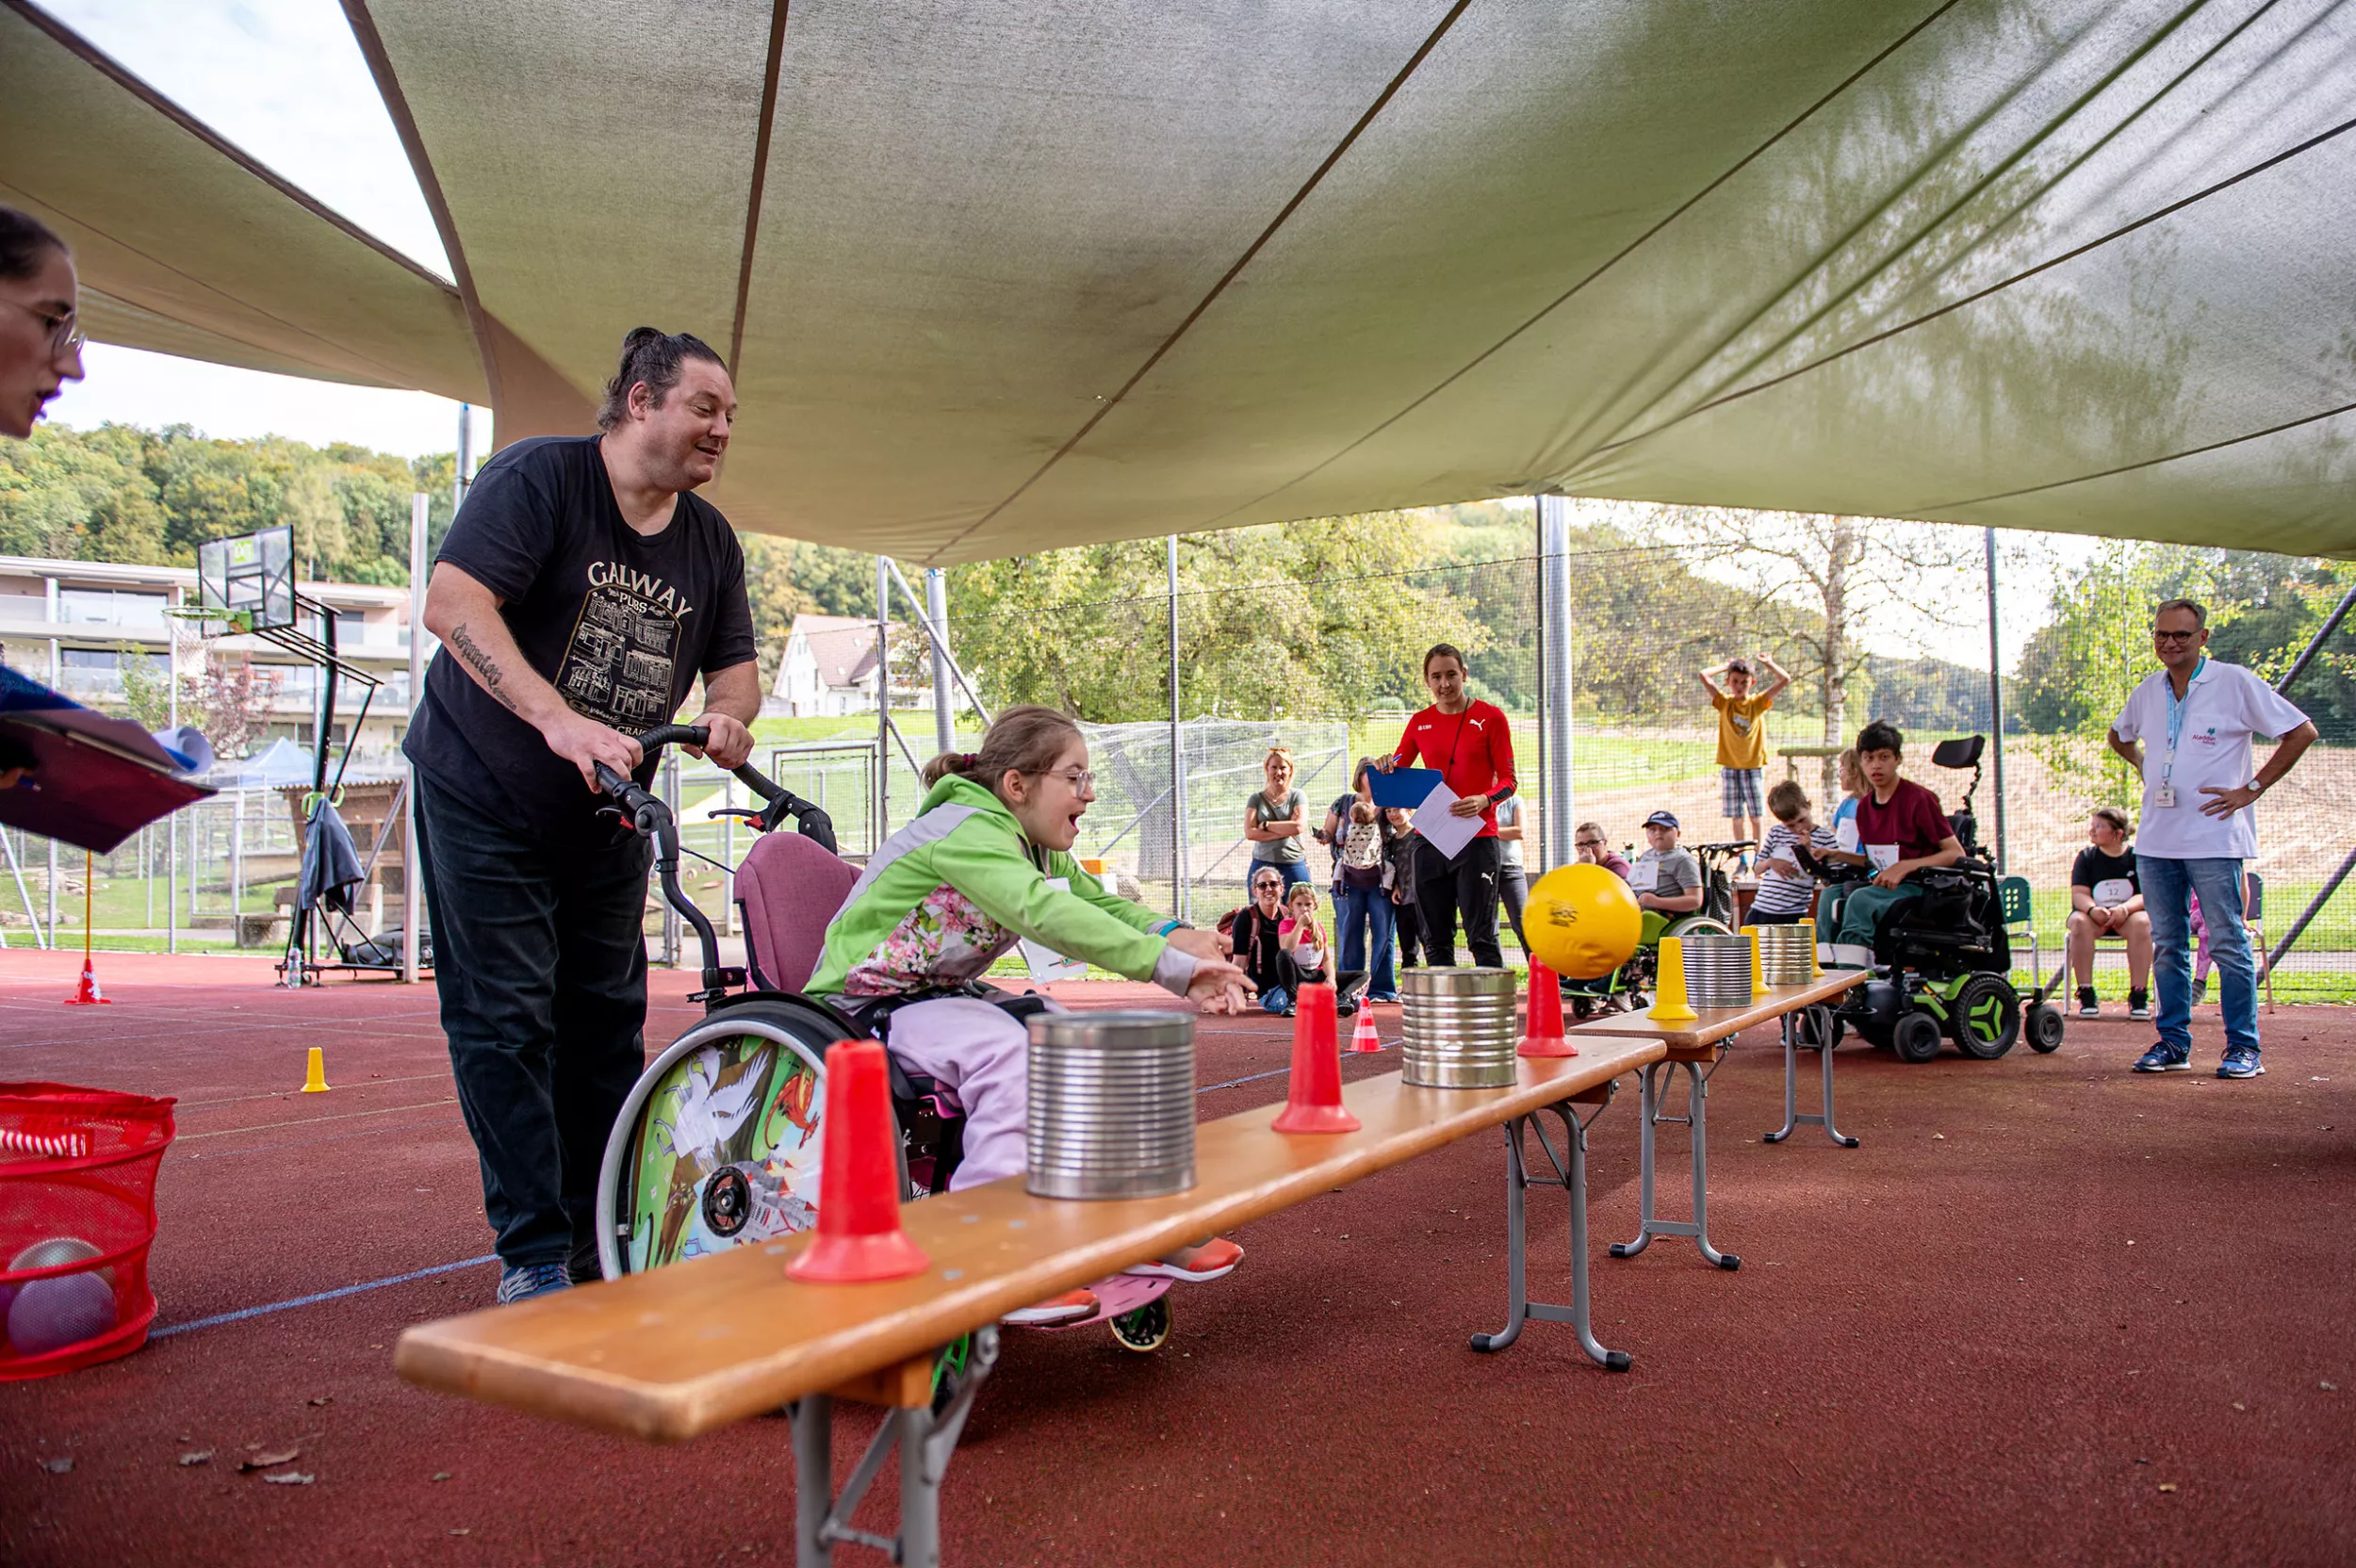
pixel 1470 743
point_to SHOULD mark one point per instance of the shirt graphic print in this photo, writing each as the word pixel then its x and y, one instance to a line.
pixel 617 667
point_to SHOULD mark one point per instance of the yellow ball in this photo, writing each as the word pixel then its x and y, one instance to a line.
pixel 1581 921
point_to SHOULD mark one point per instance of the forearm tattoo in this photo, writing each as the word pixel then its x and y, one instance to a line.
pixel 485 667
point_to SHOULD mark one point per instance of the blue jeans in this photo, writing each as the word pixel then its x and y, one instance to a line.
pixel 1358 908
pixel 1293 870
pixel 2168 886
pixel 541 969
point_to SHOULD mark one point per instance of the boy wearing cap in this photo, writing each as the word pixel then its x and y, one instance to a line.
pixel 1743 743
pixel 1666 879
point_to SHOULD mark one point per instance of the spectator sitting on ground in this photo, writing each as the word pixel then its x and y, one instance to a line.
pixel 1666 880
pixel 1901 830
pixel 1303 938
pixel 1596 849
pixel 1254 935
pixel 1275 819
pixel 1793 859
pixel 1743 743
pixel 2106 900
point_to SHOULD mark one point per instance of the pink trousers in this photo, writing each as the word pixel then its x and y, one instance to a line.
pixel 984 1057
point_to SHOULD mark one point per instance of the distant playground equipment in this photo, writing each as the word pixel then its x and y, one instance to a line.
pixel 1942 959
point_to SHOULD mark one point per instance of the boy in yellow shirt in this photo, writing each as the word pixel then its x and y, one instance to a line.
pixel 1743 743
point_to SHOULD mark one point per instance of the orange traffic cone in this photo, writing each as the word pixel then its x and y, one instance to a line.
pixel 859 1189
pixel 1545 1036
pixel 86 994
pixel 1364 1041
pixel 1314 1104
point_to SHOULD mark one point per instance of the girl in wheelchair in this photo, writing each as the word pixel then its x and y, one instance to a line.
pixel 986 863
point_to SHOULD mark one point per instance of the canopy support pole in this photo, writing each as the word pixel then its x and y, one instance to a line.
pixel 1555 678
pixel 937 612
pixel 412 863
pixel 1995 694
pixel 883 700
pixel 1181 889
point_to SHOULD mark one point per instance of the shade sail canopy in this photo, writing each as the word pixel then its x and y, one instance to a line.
pixel 998 277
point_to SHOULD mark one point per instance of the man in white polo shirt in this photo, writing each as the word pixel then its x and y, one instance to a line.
pixel 2186 730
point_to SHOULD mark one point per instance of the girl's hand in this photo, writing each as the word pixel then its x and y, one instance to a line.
pixel 1218 987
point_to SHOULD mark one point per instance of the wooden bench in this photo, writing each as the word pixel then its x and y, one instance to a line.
pixel 682 1350
pixel 1697 1046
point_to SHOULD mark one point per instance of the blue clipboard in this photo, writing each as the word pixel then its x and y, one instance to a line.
pixel 1404 788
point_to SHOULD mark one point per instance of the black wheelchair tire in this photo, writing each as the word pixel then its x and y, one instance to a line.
pixel 2043 1024
pixel 1916 1038
pixel 1973 998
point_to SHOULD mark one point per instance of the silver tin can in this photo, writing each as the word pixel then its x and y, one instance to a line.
pixel 1717 970
pixel 1111 1105
pixel 1787 954
pixel 1460 1028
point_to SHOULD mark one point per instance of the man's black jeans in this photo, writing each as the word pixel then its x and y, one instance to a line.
pixel 541 963
pixel 1467 885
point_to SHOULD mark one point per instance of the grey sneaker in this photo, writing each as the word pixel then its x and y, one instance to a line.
pixel 2241 1061
pixel 532 1279
pixel 2164 1058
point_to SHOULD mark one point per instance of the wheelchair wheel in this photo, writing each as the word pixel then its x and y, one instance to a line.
pixel 1984 1020
pixel 717 1144
pixel 1145 1329
pixel 2044 1026
pixel 1915 1037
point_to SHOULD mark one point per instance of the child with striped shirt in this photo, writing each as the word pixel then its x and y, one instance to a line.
pixel 1795 858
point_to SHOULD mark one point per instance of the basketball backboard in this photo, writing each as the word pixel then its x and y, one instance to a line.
pixel 251 576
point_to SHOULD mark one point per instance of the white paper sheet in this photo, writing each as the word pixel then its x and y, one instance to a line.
pixel 1446 833
pixel 1045 963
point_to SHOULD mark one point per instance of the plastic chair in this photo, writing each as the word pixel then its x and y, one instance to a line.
pixel 2020 911
pixel 788 889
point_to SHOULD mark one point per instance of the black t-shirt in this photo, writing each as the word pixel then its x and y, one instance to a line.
pixel 2093 869
pixel 1258 953
pixel 620 623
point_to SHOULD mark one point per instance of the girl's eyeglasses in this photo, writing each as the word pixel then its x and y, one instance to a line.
pixel 1079 779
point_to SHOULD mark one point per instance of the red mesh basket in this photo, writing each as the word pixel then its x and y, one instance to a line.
pixel 77 1212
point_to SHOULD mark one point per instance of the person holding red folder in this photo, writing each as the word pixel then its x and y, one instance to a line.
pixel 1472 745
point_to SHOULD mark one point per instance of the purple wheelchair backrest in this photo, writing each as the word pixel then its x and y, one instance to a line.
pixel 788 888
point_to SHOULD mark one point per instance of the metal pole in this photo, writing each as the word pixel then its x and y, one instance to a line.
pixel 883 700
pixel 171 824
pixel 1181 892
pixel 465 479
pixel 1995 693
pixel 412 864
pixel 671 922
pixel 937 605
pixel 2314 643
pixel 1554 659
pixel 938 629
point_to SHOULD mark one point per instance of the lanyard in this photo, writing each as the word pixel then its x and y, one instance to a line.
pixel 2176 706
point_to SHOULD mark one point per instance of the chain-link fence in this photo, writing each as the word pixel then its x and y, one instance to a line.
pixel 1323 657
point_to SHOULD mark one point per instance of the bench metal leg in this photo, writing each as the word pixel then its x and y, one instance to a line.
pixel 822 1520
pixel 1651 1108
pixel 1793 1046
pixel 1570 1173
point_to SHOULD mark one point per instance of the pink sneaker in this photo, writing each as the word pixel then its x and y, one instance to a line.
pixel 1070 1307
pixel 1215 1259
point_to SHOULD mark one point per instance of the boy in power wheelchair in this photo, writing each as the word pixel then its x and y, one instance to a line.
pixel 1930 920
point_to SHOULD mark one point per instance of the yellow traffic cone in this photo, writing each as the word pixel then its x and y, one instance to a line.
pixel 315 1077
pixel 1759 965
pixel 1669 1004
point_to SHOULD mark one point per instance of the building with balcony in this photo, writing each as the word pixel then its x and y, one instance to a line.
pixel 75 623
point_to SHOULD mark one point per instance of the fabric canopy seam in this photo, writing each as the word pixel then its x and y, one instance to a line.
pixel 429 186
pixel 1977 295
pixel 1317 175
pixel 1613 260
pixel 1925 511
pixel 1934 223
pixel 761 177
